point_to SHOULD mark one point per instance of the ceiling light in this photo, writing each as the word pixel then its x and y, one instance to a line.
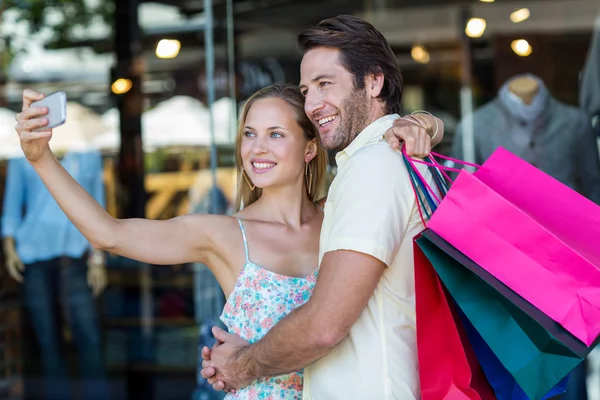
pixel 475 27
pixel 519 15
pixel 168 48
pixel 521 47
pixel 121 86
pixel 420 54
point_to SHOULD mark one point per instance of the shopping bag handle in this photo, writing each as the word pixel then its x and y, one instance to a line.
pixel 441 167
pixel 420 178
pixel 427 199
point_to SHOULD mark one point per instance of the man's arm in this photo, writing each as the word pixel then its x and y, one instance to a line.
pixel 346 281
pixel 364 233
pixel 437 125
pixel 419 134
pixel 437 139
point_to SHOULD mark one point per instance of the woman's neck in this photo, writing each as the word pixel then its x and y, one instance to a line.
pixel 290 206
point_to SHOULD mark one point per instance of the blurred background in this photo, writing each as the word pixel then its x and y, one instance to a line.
pixel 154 88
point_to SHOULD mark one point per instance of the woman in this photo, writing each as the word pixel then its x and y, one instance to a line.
pixel 265 257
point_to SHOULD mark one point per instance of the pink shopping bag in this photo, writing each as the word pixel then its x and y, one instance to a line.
pixel 536 235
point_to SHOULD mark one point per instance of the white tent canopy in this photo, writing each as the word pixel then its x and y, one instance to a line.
pixel 179 121
pixel 9 141
pixel 83 124
pixel 77 134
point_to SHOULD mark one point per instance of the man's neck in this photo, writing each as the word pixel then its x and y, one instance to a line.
pixel 377 112
pixel 372 120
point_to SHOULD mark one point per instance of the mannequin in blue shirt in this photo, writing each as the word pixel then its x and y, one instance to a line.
pixel 59 271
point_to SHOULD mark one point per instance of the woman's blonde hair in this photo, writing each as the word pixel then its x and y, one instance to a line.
pixel 317 167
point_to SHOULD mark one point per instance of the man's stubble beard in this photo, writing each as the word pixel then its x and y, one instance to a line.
pixel 355 112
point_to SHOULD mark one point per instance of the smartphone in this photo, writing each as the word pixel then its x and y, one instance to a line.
pixel 57 110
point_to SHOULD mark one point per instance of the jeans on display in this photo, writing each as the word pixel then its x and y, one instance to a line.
pixel 61 284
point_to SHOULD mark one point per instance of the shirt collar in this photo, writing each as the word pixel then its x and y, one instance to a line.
pixel 372 133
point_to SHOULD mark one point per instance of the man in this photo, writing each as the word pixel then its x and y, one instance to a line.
pixel 356 335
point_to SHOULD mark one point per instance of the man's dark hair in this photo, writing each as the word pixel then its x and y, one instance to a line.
pixel 363 51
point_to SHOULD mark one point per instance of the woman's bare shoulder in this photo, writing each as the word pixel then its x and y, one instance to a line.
pixel 210 225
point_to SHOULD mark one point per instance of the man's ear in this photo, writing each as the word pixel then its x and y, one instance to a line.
pixel 311 150
pixel 374 84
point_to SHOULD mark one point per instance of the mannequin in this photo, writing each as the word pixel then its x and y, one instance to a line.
pixel 96 275
pixel 59 271
pixel 524 87
pixel 558 139
pixel 526 120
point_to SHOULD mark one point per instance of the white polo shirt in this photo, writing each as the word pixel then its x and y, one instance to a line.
pixel 371 209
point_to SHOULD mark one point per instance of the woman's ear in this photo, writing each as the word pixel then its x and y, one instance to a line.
pixel 311 150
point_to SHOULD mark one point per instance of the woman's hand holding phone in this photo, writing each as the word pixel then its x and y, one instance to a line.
pixel 34 141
